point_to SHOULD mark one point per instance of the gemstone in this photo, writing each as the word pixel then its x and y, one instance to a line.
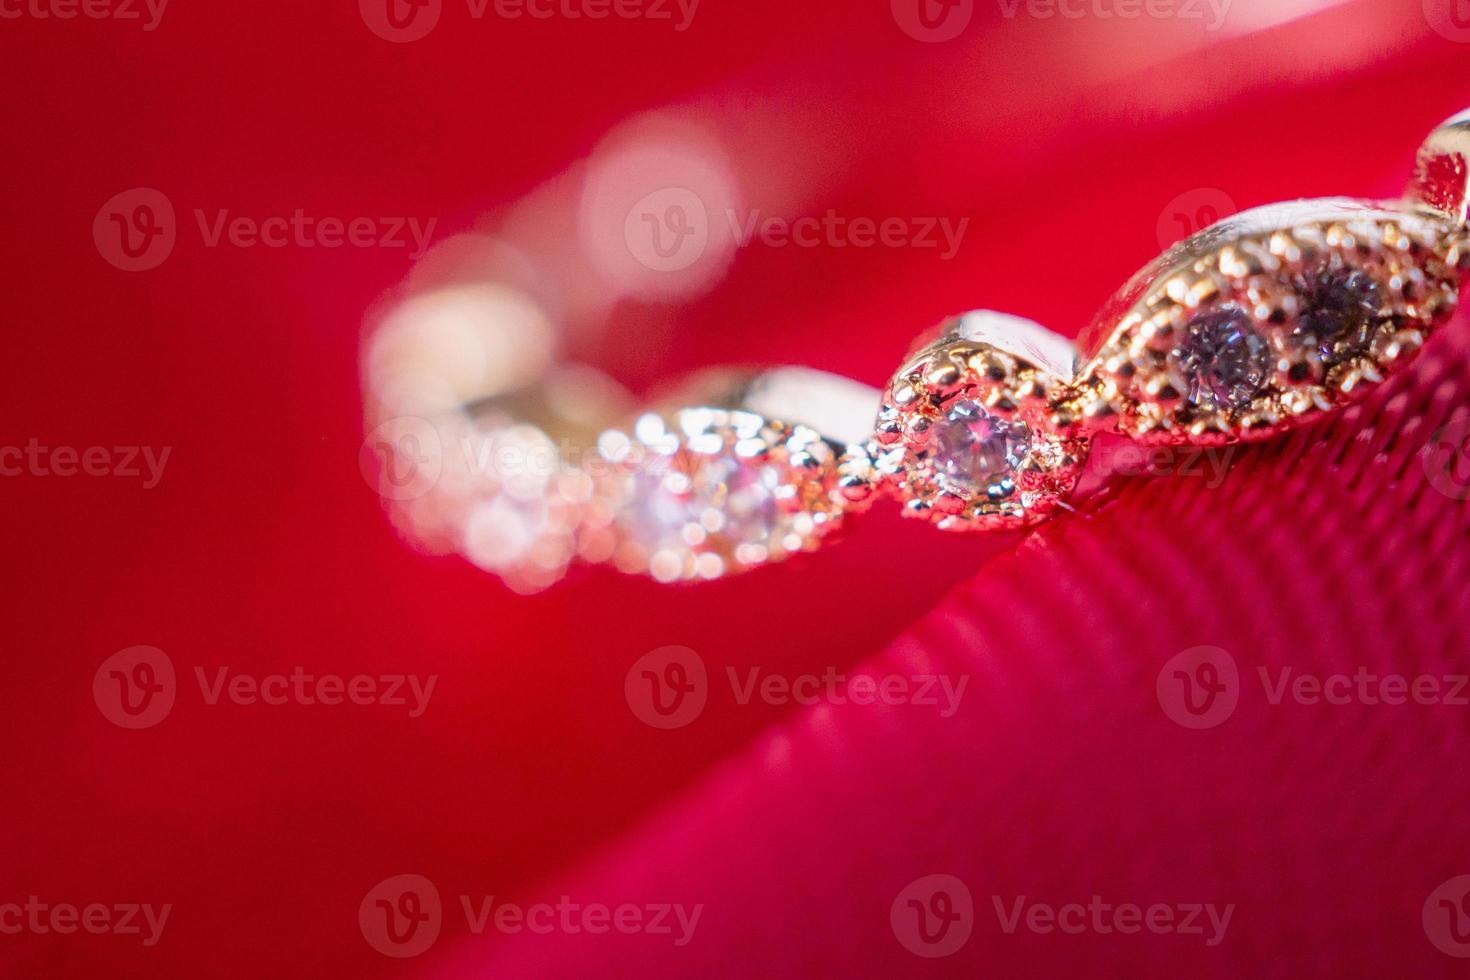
pixel 658 505
pixel 708 493
pixel 1339 311
pixel 976 452
pixel 738 496
pixel 733 497
pixel 1223 358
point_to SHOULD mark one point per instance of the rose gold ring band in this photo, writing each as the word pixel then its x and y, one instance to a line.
pixel 1254 326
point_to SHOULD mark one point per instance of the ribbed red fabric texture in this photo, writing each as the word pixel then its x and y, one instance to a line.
pixel 1062 775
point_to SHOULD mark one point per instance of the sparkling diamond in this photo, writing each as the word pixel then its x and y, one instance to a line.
pixel 977 452
pixel 1338 313
pixel 713 494
pixel 1223 359
pixel 658 504
pixel 745 499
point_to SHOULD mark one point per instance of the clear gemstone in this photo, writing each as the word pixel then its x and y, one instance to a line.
pixel 1223 358
pixel 1339 309
pixel 657 505
pixel 743 495
pixel 977 452
pixel 733 497
pixel 726 493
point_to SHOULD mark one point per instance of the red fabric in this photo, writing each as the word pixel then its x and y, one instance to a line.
pixel 1063 775
pixel 262 549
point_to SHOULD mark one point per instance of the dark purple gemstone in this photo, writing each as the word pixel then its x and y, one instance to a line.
pixel 1339 311
pixel 1223 358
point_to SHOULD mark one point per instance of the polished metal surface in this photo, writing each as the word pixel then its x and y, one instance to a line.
pixel 1442 170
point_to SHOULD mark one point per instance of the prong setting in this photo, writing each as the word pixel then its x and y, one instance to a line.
pixel 1267 320
pixel 967 427
pixel 706 492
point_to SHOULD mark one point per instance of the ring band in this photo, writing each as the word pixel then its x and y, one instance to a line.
pixel 1254 326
